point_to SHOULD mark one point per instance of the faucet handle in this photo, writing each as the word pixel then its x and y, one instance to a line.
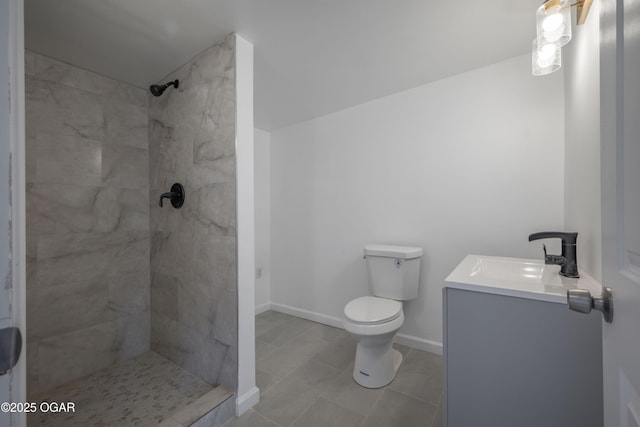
pixel 176 195
pixel 553 259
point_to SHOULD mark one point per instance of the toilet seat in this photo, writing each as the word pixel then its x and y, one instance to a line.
pixel 370 310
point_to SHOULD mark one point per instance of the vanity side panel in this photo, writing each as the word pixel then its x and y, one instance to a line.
pixel 445 351
pixel 513 361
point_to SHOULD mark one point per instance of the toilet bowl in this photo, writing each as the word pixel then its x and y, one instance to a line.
pixel 374 322
pixel 394 275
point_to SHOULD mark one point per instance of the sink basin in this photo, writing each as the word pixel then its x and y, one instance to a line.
pixel 511 269
pixel 518 277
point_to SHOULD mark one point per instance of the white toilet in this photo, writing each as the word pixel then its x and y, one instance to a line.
pixel 394 275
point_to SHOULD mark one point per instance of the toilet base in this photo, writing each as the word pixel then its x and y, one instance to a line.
pixel 376 363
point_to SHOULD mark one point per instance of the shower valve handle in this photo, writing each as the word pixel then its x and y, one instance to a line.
pixel 170 195
pixel 176 195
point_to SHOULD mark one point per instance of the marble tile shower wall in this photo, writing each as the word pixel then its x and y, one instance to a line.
pixel 193 249
pixel 88 273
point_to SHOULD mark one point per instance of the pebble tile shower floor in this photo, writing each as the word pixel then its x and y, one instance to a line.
pixel 137 393
pixel 303 370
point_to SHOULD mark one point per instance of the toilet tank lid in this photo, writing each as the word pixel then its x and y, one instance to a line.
pixel 392 251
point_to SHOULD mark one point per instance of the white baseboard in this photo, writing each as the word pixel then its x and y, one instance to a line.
pixel 309 315
pixel 419 343
pixel 263 307
pixel 408 340
pixel 247 400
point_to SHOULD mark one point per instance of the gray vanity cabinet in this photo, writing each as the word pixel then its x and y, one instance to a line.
pixel 519 362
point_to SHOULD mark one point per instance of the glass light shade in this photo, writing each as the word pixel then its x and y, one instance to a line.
pixel 545 58
pixel 553 22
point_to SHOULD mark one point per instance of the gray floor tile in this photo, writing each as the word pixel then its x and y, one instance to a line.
pixel 287 400
pixel 265 380
pixel 324 332
pixel 272 316
pixel 403 349
pixel 344 391
pixel 279 330
pixel 263 349
pixel 305 374
pixel 269 320
pixel 290 356
pixel 324 413
pixel 397 409
pixel 340 352
pixel 420 375
pixel 250 419
pixel 262 327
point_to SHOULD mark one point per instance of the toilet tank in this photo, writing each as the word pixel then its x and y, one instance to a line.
pixel 394 271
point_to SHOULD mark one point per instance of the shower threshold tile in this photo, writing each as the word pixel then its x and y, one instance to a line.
pixel 189 414
pixel 139 392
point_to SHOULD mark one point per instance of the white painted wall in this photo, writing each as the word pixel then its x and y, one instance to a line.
pixel 6 279
pixel 469 164
pixel 581 62
pixel 5 168
pixel 262 177
pixel 12 199
pixel 248 394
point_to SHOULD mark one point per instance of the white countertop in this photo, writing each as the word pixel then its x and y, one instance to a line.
pixel 517 277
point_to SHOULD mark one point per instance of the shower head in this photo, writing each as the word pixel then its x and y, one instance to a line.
pixel 157 90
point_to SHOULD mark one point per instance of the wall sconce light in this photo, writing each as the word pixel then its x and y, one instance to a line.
pixel 553 30
pixel 553 23
pixel 546 58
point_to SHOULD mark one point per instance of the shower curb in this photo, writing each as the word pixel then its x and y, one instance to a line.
pixel 206 406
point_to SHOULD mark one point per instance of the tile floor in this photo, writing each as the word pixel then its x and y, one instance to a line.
pixel 139 392
pixel 304 374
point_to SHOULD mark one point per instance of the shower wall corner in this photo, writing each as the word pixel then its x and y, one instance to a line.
pixel 87 222
pixel 194 277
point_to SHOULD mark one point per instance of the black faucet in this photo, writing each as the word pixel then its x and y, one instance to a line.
pixel 567 260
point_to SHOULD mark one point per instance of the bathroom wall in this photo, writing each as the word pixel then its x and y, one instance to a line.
pixel 581 62
pixel 11 288
pixel 6 253
pixel 194 249
pixel 87 222
pixel 262 170
pixel 469 164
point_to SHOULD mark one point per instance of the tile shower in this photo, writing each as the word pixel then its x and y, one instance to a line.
pixel 111 275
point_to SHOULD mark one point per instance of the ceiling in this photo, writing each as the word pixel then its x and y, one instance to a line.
pixel 312 57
